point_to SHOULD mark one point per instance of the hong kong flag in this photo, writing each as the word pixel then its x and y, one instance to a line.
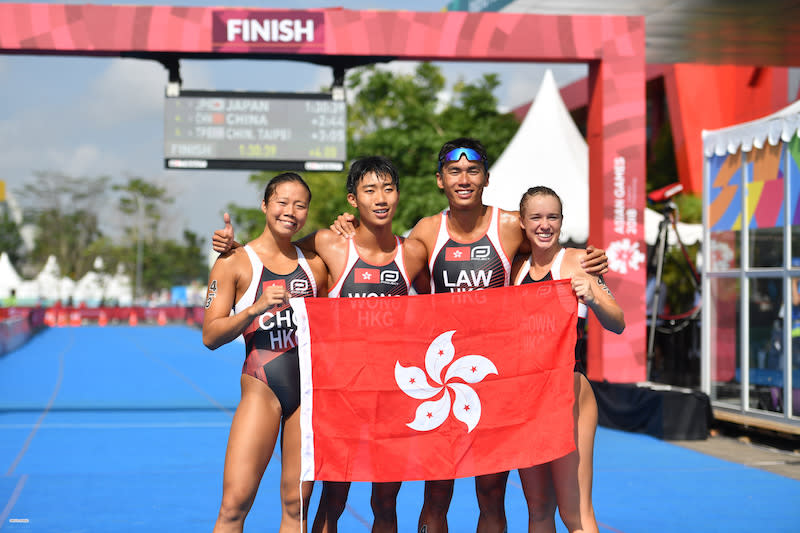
pixel 436 386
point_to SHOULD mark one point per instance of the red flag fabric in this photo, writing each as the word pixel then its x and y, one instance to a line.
pixel 437 386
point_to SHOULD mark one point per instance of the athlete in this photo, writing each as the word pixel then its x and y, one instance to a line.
pixel 567 481
pixel 468 247
pixel 256 282
pixel 374 262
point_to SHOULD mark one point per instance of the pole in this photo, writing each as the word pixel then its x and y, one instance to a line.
pixel 138 289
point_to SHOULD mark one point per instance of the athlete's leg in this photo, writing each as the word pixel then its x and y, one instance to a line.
pixel 587 428
pixel 332 502
pixel 491 492
pixel 290 478
pixel 254 431
pixel 572 474
pixel 433 518
pixel 537 485
pixel 384 507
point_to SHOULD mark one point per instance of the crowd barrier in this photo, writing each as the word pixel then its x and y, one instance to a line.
pixel 102 316
pixel 18 324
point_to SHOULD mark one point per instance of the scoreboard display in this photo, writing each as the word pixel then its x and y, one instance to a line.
pixel 254 131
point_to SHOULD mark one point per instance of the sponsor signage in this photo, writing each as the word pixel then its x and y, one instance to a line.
pixel 257 131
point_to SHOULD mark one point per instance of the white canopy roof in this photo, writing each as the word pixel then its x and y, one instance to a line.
pixel 9 279
pixel 548 149
pixel 779 126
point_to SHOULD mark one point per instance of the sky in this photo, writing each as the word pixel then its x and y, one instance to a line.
pixel 104 116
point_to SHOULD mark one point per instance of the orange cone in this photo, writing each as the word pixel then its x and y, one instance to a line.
pixel 102 319
pixel 162 318
pixel 133 319
pixel 50 318
pixel 75 318
pixel 62 319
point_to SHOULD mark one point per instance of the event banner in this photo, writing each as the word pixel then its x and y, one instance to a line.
pixel 436 386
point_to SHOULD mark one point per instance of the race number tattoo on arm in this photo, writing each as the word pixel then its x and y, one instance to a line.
pixel 604 286
pixel 212 293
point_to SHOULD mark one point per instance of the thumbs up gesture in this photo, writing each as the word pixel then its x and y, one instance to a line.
pixel 222 240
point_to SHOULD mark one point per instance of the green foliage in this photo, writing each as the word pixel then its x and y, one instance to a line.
pixel 165 262
pixel 172 263
pixel 677 276
pixel 400 116
pixel 64 210
pixel 142 202
pixel 10 238
pixel 328 200
pixel 662 170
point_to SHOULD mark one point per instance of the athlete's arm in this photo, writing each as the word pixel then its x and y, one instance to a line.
pixel 416 260
pixel 593 291
pixel 320 271
pixel 222 240
pixel 308 243
pixel 219 326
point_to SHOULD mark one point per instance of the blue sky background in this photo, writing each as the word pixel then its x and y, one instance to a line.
pixel 104 116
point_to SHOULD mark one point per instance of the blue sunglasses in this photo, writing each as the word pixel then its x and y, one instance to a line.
pixel 456 153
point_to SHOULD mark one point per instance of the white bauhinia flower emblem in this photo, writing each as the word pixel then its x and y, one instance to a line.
pixel 465 403
pixel 624 255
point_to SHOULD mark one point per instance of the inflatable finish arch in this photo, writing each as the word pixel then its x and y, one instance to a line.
pixel 613 46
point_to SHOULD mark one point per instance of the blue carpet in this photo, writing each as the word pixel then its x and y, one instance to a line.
pixel 135 435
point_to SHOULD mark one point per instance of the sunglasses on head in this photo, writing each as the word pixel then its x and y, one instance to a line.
pixel 456 153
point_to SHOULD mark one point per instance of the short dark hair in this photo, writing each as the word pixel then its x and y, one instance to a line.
pixel 540 190
pixel 464 142
pixel 381 166
pixel 285 177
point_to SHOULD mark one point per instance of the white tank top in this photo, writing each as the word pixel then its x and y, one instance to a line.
pixel 555 273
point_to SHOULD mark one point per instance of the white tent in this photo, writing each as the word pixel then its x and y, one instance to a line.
pixel 548 149
pixel 90 289
pixel 49 285
pixel 119 288
pixel 9 279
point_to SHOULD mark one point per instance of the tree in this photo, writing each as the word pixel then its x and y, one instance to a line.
pixel 157 263
pixel 64 209
pixel 401 117
pixel 327 202
pixel 10 238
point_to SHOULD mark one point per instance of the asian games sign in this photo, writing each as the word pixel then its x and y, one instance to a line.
pixel 268 31
pixel 623 253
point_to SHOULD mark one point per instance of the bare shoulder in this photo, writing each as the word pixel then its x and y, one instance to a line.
pixel 509 218
pixel 232 260
pixel 426 229
pixel 414 248
pixel 317 265
pixel 511 234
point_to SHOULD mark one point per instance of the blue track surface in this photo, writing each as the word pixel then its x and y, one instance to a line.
pixel 124 429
